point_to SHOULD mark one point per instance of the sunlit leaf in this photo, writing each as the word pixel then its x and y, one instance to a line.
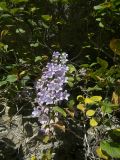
pixel 12 78
pixel 93 122
pixel 47 17
pixel 96 98
pixel 71 79
pixel 88 101
pixel 90 113
pixel 22 73
pixel 71 68
pixel 20 30
pixel 71 84
pixel 100 154
pixel 81 107
pixel 103 6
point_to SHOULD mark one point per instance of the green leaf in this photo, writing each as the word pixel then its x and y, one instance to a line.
pixel 102 62
pixel 71 103
pixel 2 83
pixel 34 44
pixel 18 1
pixel 3 6
pixel 60 110
pixel 108 107
pixel 20 30
pixel 103 6
pixel 93 122
pixel 111 148
pixel 71 79
pixel 71 84
pixel 90 112
pixel 96 98
pixel 95 88
pixel 71 68
pixel 11 78
pixel 101 25
pixel 38 58
pixel 46 17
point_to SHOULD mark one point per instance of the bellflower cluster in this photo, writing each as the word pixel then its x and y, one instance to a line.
pixel 50 89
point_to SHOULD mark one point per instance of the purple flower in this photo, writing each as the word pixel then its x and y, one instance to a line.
pixel 50 88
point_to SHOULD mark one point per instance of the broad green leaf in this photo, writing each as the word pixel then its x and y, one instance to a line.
pixel 90 113
pixel 111 148
pixel 12 78
pixel 60 110
pixel 96 98
pixel 93 122
pixel 108 107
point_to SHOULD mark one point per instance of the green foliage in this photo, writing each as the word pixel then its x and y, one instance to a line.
pixel 89 32
pixel 59 110
pixel 111 148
